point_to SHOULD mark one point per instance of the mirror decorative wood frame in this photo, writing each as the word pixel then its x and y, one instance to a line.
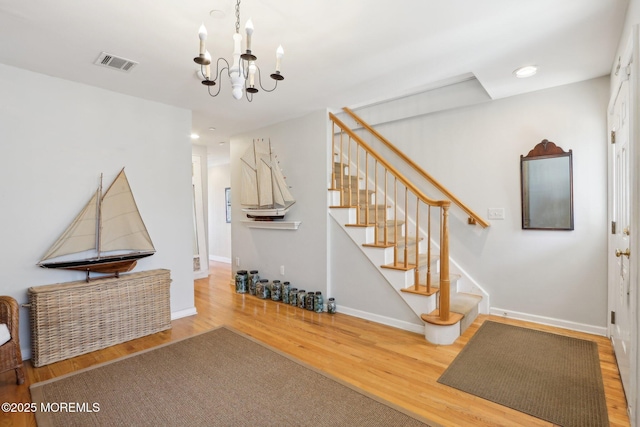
pixel 546 178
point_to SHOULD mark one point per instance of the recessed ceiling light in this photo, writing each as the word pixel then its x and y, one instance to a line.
pixel 217 14
pixel 221 142
pixel 212 128
pixel 195 136
pixel 526 71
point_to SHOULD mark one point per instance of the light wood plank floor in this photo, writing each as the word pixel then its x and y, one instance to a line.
pixel 398 366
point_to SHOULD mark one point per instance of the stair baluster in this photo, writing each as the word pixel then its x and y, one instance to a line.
pixel 416 273
pixel 428 278
pixel 375 201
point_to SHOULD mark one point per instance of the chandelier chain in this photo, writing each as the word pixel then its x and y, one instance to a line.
pixel 238 17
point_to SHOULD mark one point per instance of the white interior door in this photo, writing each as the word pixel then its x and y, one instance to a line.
pixel 621 300
pixel 622 286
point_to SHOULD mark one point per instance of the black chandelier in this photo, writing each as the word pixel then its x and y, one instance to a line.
pixel 242 73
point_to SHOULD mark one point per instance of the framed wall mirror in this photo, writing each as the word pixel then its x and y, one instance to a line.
pixel 546 177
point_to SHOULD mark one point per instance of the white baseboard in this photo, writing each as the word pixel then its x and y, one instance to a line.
pixel 400 324
pixel 219 259
pixel 565 324
pixel 200 275
pixel 184 313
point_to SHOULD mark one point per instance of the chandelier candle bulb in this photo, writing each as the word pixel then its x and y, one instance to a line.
pixel 248 27
pixel 202 33
pixel 279 55
pixel 252 74
pixel 207 68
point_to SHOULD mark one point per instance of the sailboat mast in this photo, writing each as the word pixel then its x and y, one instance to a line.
pixel 99 218
pixel 273 185
pixel 255 162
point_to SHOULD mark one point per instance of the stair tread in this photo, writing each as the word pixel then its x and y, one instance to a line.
pixel 410 265
pixel 374 206
pixel 435 286
pixel 422 290
pixel 464 303
pixel 434 318
pixel 390 243
pixel 435 279
pixel 390 222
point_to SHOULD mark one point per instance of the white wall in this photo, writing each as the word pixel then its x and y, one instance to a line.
pixel 474 151
pixel 219 229
pixel 56 137
pixel 302 147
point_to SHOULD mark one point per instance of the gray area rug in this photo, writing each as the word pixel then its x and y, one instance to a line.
pixel 218 378
pixel 549 376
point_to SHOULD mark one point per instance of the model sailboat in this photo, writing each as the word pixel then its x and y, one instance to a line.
pixel 265 194
pixel 107 236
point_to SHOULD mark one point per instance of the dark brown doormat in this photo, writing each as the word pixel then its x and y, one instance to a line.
pixel 218 378
pixel 549 376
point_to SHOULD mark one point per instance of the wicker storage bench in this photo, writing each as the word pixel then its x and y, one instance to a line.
pixel 69 319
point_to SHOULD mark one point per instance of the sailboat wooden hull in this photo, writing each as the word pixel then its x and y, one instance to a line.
pixel 107 265
pixel 266 214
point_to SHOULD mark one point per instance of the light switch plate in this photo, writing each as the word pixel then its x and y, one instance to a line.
pixel 495 213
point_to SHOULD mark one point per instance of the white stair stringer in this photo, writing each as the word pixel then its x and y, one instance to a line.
pixel 398 279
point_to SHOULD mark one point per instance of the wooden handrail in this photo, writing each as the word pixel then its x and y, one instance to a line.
pixel 388 166
pixel 474 218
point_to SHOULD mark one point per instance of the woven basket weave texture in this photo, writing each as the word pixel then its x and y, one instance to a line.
pixel 69 319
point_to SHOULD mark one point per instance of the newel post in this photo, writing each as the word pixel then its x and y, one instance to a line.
pixel 445 291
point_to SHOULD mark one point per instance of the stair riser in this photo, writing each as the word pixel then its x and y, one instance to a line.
pixel 420 303
pixel 347 181
pixel 342 215
pixel 392 232
pixel 411 251
pixel 468 319
pixel 372 213
pixel 357 197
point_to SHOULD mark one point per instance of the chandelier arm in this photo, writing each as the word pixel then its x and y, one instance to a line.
pixel 228 68
pixel 243 68
pixel 218 74
pixel 216 94
pixel 260 82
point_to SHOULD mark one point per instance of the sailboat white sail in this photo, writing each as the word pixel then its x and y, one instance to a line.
pixel 107 236
pixel 264 194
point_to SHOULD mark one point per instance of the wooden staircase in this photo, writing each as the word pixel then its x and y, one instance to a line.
pixel 413 259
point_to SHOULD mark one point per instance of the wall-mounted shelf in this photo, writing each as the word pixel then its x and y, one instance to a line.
pixel 275 224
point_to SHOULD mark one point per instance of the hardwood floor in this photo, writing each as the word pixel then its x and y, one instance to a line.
pixel 396 365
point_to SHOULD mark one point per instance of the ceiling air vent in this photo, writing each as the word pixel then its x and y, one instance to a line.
pixel 108 60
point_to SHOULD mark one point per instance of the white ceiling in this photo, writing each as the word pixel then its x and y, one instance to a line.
pixel 337 52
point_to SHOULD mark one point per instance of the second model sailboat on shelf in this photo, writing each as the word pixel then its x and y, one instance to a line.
pixel 264 195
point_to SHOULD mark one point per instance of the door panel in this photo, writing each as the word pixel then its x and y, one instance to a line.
pixel 619 240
